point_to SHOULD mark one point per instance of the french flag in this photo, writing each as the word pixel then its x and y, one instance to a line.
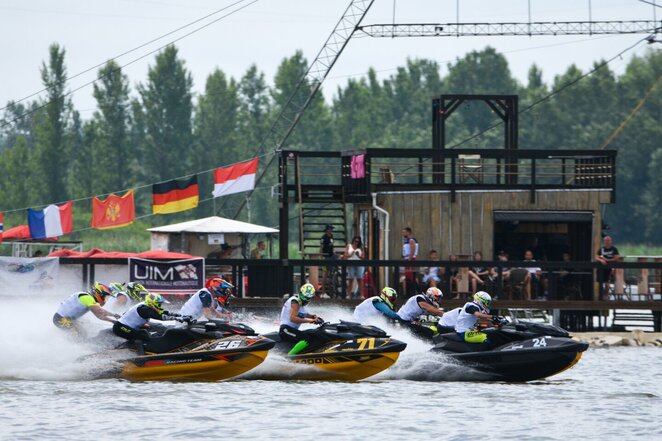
pixel 52 221
pixel 235 179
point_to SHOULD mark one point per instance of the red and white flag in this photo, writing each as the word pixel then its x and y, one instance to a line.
pixel 235 179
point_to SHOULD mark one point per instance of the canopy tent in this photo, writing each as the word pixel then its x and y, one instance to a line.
pixel 214 237
pixel 214 225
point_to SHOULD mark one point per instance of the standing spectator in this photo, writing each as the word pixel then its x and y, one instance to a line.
pixel 409 252
pixel 431 274
pixel 535 282
pixel 354 251
pixel 326 250
pixel 259 250
pixel 478 274
pixel 606 254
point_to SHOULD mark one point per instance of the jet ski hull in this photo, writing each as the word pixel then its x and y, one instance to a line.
pixel 521 361
pixel 352 360
pixel 213 360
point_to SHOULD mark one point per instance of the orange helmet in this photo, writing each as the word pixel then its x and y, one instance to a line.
pixel 219 288
pixel 99 291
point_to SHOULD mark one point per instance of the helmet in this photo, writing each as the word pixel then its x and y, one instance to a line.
pixel 100 291
pixel 388 295
pixel 220 288
pixel 483 298
pixel 136 290
pixel 117 288
pixel 306 293
pixel 155 301
pixel 434 295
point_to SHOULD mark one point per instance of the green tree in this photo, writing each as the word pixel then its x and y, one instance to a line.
pixel 112 154
pixel 167 103
pixel 51 122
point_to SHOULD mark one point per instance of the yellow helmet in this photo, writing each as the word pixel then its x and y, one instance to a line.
pixel 388 295
pixel 155 301
pixel 306 293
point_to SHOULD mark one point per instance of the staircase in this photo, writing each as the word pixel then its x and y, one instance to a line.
pixel 321 205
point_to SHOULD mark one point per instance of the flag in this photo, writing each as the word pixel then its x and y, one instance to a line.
pixel 2 226
pixel 235 179
pixel 114 212
pixel 176 195
pixel 52 221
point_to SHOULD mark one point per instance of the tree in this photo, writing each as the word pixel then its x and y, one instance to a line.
pixel 50 126
pixel 167 103
pixel 112 154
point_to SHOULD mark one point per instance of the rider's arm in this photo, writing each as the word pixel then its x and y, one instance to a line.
pixel 296 318
pixel 384 309
pixel 431 309
pixel 101 313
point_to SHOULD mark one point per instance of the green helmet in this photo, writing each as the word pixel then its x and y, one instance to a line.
pixel 306 293
pixel 483 298
pixel 136 290
pixel 388 295
pixel 155 301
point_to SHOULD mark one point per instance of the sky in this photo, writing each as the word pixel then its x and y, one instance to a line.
pixel 266 31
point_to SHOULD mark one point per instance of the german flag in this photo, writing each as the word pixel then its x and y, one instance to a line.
pixel 176 195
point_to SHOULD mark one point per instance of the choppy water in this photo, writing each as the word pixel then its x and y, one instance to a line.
pixel 45 394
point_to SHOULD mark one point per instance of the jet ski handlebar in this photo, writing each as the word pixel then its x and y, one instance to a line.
pixel 499 320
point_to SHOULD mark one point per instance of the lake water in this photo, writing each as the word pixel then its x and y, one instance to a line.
pixel 612 393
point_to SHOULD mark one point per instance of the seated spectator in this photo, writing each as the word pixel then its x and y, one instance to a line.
pixel 535 285
pixel 259 251
pixel 568 283
pixel 478 274
pixel 431 275
pixel 454 276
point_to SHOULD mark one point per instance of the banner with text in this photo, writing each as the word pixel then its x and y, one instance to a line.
pixel 168 277
pixel 23 276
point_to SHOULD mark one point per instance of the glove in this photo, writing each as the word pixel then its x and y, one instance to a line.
pixel 318 320
pixel 117 316
pixel 187 319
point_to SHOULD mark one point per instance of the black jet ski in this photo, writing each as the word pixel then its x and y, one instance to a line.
pixel 207 351
pixel 344 351
pixel 520 351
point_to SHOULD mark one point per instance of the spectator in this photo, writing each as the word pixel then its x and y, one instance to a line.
pixel 259 250
pixel 454 276
pixel 409 252
pixel 606 254
pixel 535 280
pixel 569 283
pixel 326 250
pixel 431 274
pixel 478 274
pixel 354 251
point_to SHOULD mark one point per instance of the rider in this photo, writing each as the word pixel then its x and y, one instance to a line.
pixel 207 301
pixel 377 307
pixel 449 320
pixel 293 315
pixel 125 294
pixel 79 303
pixel 129 326
pixel 468 318
pixel 420 304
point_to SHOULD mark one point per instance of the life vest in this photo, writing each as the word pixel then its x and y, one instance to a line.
pixel 194 307
pixel 111 302
pixel 466 321
pixel 72 308
pixel 285 312
pixel 132 319
pixel 366 310
pixel 449 319
pixel 411 310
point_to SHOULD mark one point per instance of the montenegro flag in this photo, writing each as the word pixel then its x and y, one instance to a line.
pixel 176 195
pixel 114 212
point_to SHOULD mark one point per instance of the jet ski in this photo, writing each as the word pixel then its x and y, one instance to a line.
pixel 343 351
pixel 519 351
pixel 209 351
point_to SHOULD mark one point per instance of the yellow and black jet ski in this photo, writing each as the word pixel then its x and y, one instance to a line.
pixel 343 351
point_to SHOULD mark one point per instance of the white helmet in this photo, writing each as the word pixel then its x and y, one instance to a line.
pixel 434 295
pixel 483 298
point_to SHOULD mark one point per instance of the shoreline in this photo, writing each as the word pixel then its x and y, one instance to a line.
pixel 601 339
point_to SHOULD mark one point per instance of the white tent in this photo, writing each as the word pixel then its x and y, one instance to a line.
pixel 203 237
